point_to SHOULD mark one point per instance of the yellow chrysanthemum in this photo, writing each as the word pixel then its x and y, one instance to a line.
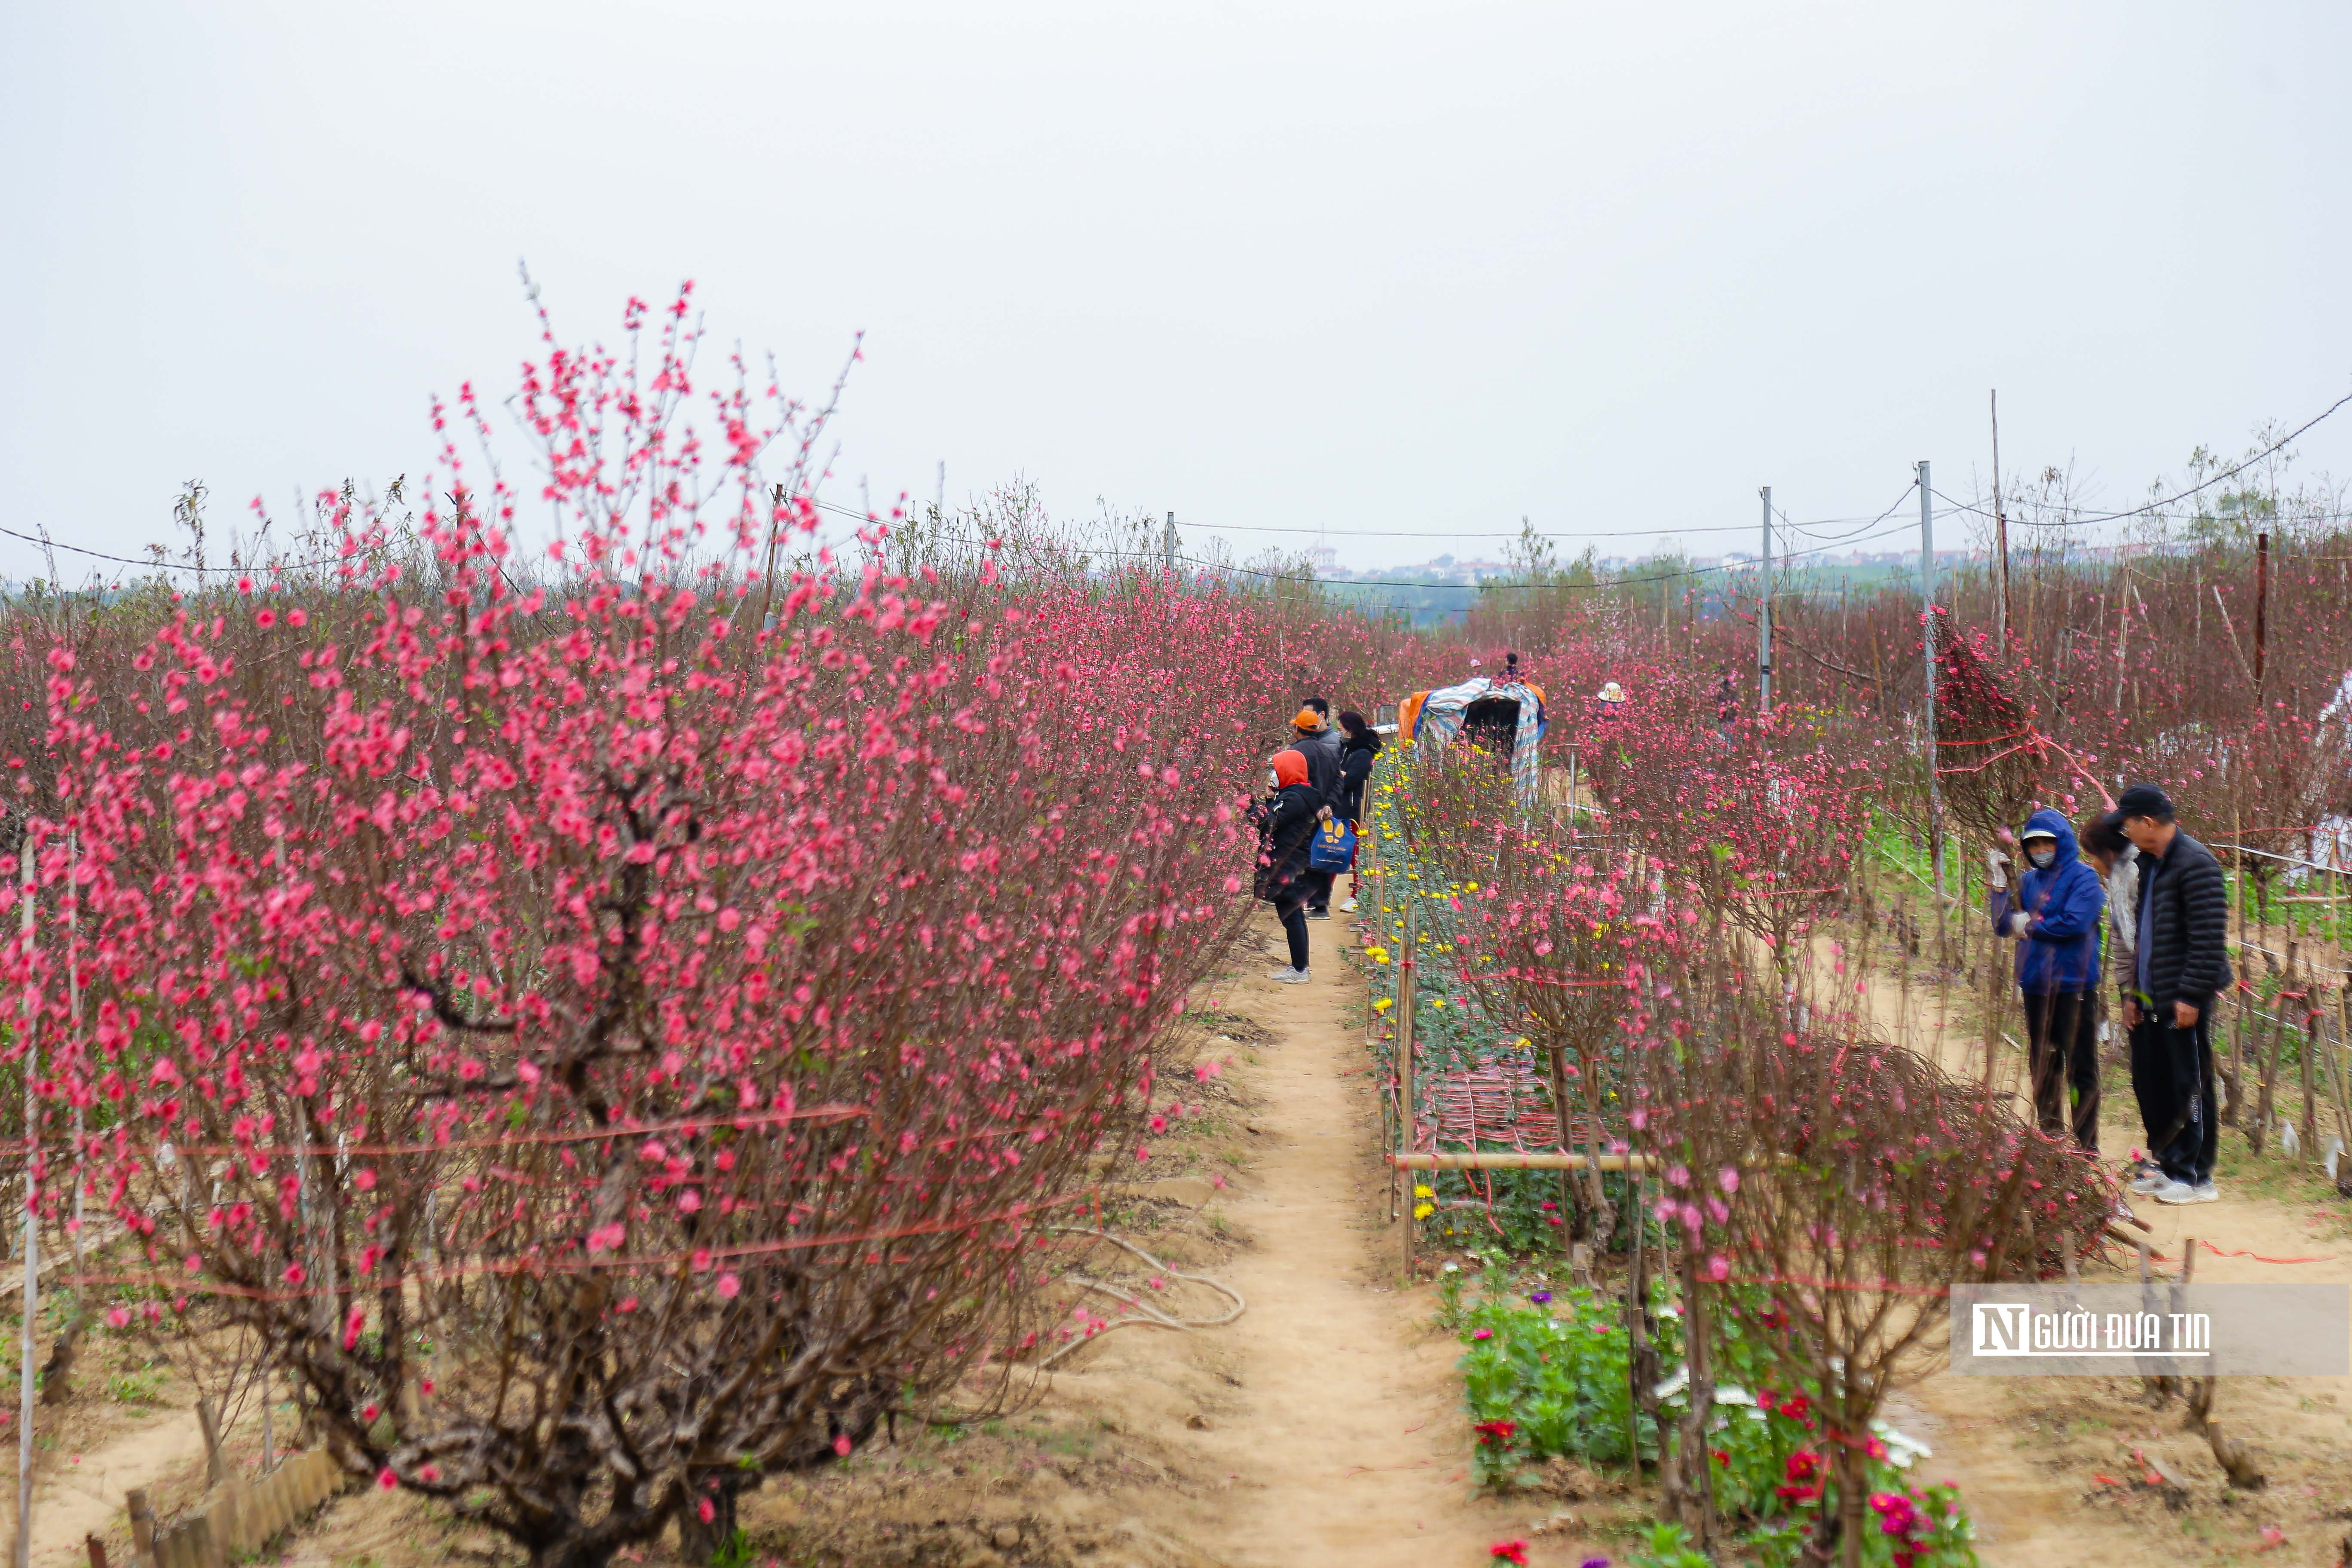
pixel 1423 1211
pixel 1421 1191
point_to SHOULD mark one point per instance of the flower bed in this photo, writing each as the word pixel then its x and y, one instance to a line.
pixel 1548 1375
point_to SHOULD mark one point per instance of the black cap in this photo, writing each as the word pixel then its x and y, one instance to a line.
pixel 2144 800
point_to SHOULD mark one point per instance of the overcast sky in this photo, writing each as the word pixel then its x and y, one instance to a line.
pixel 1359 267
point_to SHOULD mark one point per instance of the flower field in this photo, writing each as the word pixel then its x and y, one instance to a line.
pixel 612 1001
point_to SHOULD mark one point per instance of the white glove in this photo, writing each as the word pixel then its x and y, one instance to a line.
pixel 1996 868
pixel 2014 924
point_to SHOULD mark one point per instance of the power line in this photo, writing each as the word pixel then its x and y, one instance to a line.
pixel 2228 473
pixel 1659 533
pixel 1599 587
pixel 155 565
pixel 1874 522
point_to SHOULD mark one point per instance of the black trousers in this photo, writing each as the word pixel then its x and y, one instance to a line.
pixel 1290 908
pixel 2172 1077
pixel 2061 1050
pixel 1318 886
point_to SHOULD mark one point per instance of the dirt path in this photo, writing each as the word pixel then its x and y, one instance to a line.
pixel 1326 1424
pixel 1351 1442
pixel 2038 1460
pixel 82 1494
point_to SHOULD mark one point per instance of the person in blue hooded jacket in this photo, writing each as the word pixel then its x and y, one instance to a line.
pixel 2056 917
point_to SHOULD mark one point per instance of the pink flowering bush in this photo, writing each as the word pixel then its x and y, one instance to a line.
pixel 614 1026
pixel 1757 821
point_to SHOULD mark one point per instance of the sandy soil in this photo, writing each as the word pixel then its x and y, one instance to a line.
pixel 2047 1464
pixel 1327 1418
pixel 1350 1436
pixel 84 1497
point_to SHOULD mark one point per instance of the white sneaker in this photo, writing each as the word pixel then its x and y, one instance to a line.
pixel 1347 906
pixel 1289 976
pixel 2176 1192
pixel 2207 1193
pixel 2149 1182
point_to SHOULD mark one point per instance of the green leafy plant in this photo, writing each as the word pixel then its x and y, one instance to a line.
pixel 1550 1376
pixel 139 1387
pixel 734 1551
pixel 1667 1546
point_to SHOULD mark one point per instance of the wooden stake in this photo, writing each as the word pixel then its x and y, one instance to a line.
pixel 2000 538
pixel 143 1528
pixel 1405 1117
pixel 2261 606
pixel 2309 1063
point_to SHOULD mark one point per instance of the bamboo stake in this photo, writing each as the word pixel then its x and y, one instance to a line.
pixel 1405 1117
pixel 2308 1064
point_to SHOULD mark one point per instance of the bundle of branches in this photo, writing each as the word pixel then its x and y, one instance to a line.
pixel 1990 754
pixel 616 1042
pixel 1846 1185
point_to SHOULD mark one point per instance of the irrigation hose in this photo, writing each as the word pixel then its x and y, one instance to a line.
pixel 1153 1316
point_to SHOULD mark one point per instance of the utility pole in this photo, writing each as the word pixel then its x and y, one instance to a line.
pixel 1927 620
pixel 1764 615
pixel 1169 549
pixel 2000 538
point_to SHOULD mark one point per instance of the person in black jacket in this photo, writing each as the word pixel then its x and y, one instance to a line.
pixel 1286 825
pixel 2181 965
pixel 1358 748
pixel 1320 743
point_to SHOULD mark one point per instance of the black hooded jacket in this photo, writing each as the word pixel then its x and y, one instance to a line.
pixel 1286 823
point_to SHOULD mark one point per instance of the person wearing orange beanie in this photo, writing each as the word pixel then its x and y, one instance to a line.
pixel 1325 750
pixel 1286 827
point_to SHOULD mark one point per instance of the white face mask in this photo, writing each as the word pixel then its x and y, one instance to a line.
pixel 1273 781
pixel 2043 858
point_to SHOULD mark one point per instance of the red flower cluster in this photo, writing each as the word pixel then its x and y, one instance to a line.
pixel 1805 1471
pixel 1899 1516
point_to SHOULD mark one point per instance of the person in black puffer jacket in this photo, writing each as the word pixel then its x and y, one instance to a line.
pixel 1286 826
pixel 1359 748
pixel 2181 966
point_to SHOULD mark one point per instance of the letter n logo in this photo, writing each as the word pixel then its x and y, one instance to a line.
pixel 2001 1329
